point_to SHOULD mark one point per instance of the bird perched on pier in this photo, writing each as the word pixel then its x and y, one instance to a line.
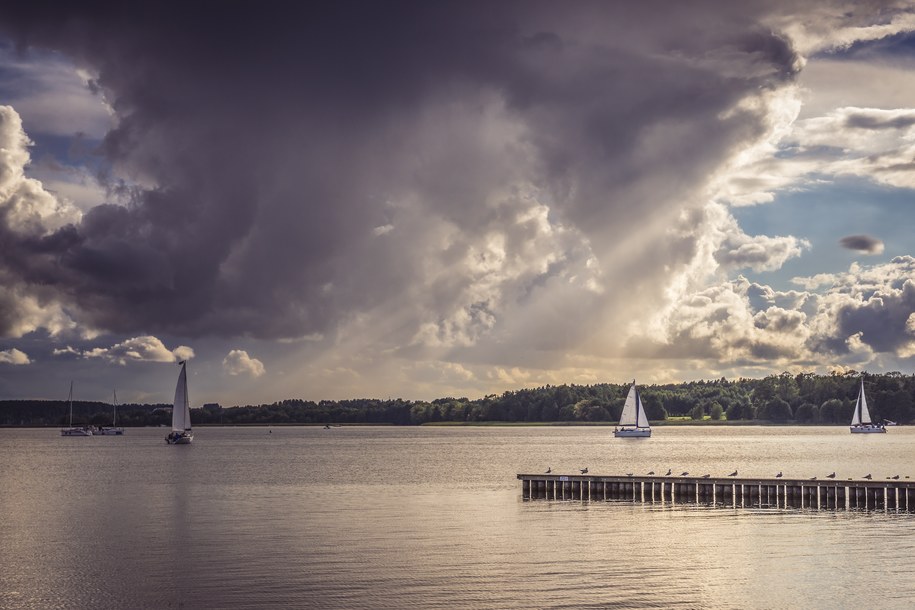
pixel 584 470
pixel 705 476
pixel 831 476
pixel 628 474
pixel 779 475
pixel 651 473
pixel 549 469
pixel 668 472
pixel 895 477
pixel 868 476
pixel 683 474
pixel 733 474
pixel 813 478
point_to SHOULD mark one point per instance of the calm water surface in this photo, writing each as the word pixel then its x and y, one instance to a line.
pixel 381 517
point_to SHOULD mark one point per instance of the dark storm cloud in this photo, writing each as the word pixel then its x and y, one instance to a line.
pixel 266 143
pixel 862 243
pixel 867 121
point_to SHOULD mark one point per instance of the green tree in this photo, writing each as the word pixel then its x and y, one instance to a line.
pixel 716 411
pixel 775 410
pixel 806 413
pixel 697 412
pixel 831 411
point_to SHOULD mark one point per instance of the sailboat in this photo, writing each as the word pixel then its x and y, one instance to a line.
pixel 861 419
pixel 633 421
pixel 113 429
pixel 181 433
pixel 71 431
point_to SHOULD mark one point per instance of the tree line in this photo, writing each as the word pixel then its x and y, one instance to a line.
pixel 804 398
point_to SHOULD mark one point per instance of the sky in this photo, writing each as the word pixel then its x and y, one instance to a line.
pixel 420 200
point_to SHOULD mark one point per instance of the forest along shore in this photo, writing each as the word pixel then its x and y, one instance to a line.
pixel 804 398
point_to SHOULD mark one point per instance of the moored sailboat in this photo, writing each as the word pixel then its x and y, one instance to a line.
pixel 633 421
pixel 181 433
pixel 113 429
pixel 861 419
pixel 78 430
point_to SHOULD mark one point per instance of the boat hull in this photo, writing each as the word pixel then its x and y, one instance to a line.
pixel 75 432
pixel 632 433
pixel 111 431
pixel 181 438
pixel 867 429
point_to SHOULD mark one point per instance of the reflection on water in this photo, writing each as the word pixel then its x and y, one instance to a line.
pixel 433 517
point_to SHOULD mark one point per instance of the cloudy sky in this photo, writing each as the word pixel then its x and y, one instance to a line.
pixel 415 199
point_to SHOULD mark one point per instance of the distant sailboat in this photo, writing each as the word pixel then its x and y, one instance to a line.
pixel 633 421
pixel 181 433
pixel 113 429
pixel 861 420
pixel 71 431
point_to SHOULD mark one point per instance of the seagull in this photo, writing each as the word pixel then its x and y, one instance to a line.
pixel 549 469
pixel 733 474
pixel 584 471
pixel 779 475
pixel 868 476
pixel 813 478
pixel 831 476
pixel 895 477
pixel 628 474
pixel 683 474
pixel 668 473
pixel 705 476
pixel 651 473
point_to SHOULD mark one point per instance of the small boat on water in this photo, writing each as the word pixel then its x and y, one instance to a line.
pixel 633 421
pixel 113 429
pixel 77 430
pixel 181 433
pixel 861 419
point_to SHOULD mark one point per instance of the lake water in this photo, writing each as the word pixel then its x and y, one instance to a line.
pixel 384 517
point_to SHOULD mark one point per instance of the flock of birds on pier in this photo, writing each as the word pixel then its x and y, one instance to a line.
pixel 651 473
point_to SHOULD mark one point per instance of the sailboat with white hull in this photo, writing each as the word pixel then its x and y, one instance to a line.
pixel 113 429
pixel 74 431
pixel 633 421
pixel 861 419
pixel 181 433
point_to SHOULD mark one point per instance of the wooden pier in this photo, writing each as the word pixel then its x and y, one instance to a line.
pixel 828 494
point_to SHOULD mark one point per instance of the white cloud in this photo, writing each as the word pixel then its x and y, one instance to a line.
pixel 855 317
pixel 28 207
pixel 838 25
pixel 14 356
pixel 238 362
pixel 140 349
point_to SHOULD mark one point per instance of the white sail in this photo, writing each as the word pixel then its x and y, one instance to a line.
pixel 641 420
pixel 181 410
pixel 633 412
pixel 861 415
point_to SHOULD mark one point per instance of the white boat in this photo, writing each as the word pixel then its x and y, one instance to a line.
pixel 74 431
pixel 181 433
pixel 633 421
pixel 113 429
pixel 861 419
